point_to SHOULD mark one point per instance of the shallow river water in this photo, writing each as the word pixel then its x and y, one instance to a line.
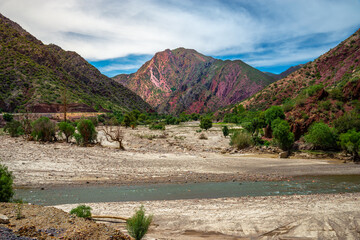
pixel 87 194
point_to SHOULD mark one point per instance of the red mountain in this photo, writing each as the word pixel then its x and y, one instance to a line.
pixel 180 80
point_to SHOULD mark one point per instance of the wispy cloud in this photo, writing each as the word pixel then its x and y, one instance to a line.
pixel 108 29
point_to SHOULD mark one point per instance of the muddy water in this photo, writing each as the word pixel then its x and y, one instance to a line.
pixel 301 186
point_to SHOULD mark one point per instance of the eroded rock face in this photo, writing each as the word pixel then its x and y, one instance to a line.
pixel 184 80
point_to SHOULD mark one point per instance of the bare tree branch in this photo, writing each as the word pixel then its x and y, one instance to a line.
pixel 114 134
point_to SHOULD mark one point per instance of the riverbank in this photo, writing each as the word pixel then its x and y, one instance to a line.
pixel 326 216
pixel 176 155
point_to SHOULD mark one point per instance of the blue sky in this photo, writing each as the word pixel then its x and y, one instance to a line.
pixel 118 36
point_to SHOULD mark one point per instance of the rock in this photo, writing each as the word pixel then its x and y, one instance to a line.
pixel 4 219
pixel 284 154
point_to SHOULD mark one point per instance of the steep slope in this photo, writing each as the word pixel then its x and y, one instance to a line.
pixel 321 90
pixel 184 80
pixel 36 77
pixel 285 73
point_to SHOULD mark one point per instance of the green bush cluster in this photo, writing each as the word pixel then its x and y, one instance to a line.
pixel 321 136
pixel 87 132
pixel 241 140
pixel 82 211
pixel 206 123
pixel 283 137
pixel 43 130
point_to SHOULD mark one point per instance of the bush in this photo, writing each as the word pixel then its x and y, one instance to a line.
pixel 241 140
pixel 129 120
pixel 138 224
pixel 6 181
pixel 67 129
pixel 350 142
pixel 14 128
pixel 284 138
pixel 87 131
pixel 321 136
pixel 157 126
pixel 82 211
pixel 43 130
pixel 8 117
pixel 225 131
pixel 205 123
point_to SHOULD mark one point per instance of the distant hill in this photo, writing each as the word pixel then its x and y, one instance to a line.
pixel 180 80
pixel 33 77
pixel 321 90
pixel 285 73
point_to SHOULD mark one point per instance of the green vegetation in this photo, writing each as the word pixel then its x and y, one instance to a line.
pixel 321 136
pixel 82 211
pixel 241 140
pixel 138 224
pixel 87 132
pixel 43 130
pixel 6 181
pixel 67 129
pixel 347 122
pixel 283 137
pixel 157 126
pixel 225 131
pixel 350 142
pixel 272 113
pixel 206 123
pixel 14 128
pixel 8 117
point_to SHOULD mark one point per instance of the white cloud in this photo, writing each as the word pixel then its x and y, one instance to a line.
pixel 103 29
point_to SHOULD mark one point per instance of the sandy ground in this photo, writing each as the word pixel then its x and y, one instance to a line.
pixel 178 155
pixel 335 216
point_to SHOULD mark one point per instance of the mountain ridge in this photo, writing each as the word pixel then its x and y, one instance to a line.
pixel 182 79
pixel 34 74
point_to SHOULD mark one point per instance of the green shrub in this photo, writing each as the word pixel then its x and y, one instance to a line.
pixel 321 136
pixel 78 138
pixel 283 137
pixel 157 126
pixel 67 129
pixel 129 120
pixel 6 181
pixel 225 131
pixel 87 131
pixel 82 211
pixel 8 117
pixel 43 130
pixel 350 142
pixel 241 140
pixel 325 105
pixel 273 113
pixel 336 94
pixel 138 224
pixel 14 128
pixel 205 123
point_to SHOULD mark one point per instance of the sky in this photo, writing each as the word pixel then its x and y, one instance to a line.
pixel 118 36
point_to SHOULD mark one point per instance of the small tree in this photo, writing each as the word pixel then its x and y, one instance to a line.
pixel 67 129
pixel 270 115
pixel 205 123
pixel 321 136
pixel 129 120
pixel 225 131
pixel 138 224
pixel 282 134
pixel 43 130
pixel 350 142
pixel 6 181
pixel 82 211
pixel 114 134
pixel 87 131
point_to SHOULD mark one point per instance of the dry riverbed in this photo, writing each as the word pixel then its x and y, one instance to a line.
pixel 178 155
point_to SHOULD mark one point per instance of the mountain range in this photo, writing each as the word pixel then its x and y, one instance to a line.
pixel 179 80
pixel 37 77
pixel 322 90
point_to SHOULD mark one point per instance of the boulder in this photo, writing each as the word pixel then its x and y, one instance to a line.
pixel 284 154
pixel 4 219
